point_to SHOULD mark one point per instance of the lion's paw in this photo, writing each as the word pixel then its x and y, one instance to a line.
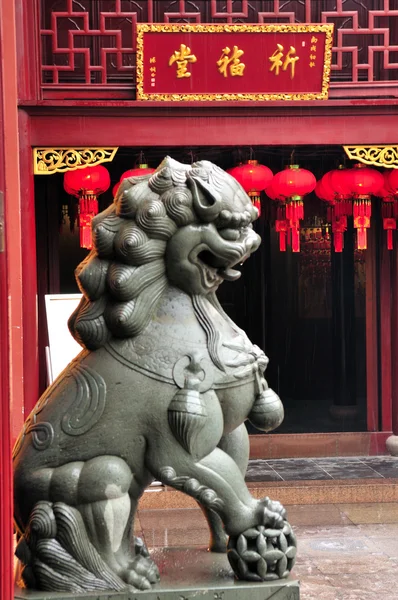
pixel 274 506
pixel 142 573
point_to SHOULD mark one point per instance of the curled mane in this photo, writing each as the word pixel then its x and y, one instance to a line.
pixel 124 276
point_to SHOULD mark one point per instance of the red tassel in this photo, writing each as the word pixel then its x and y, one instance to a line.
pixel 390 240
pixel 389 224
pixel 295 237
pixel 257 204
pixel 281 227
pixel 282 241
pixel 88 208
pixel 361 239
pixel 86 240
pixel 339 227
pixel 338 241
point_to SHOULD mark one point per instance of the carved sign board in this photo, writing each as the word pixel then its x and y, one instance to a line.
pixel 233 62
pixel 62 346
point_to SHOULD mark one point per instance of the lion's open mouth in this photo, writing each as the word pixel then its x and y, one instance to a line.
pixel 215 266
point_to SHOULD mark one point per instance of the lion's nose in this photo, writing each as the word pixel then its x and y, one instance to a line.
pixel 253 241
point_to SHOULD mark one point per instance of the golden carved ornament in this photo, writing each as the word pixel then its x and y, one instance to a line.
pixel 378 156
pixel 228 28
pixel 47 161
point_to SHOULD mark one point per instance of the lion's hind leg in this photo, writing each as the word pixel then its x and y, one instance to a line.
pixel 87 523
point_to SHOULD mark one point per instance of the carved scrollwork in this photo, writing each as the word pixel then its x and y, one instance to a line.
pixel 378 156
pixel 47 161
pixel 89 404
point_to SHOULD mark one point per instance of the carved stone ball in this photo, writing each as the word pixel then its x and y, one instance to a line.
pixel 263 554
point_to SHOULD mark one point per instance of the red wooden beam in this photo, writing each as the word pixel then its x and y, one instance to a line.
pixel 213 126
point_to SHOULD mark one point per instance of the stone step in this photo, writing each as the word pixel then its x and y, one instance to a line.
pixel 306 481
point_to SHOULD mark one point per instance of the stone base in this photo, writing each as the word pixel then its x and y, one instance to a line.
pixel 187 573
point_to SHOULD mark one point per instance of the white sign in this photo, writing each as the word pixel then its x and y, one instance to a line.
pixel 62 346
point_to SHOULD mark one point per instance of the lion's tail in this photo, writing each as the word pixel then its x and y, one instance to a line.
pixel 56 554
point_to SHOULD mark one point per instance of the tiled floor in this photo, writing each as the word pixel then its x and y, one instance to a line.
pixel 296 469
pixel 345 552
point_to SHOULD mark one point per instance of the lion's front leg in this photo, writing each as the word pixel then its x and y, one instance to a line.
pixel 236 445
pixel 215 481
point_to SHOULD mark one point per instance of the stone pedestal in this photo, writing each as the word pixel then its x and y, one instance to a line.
pixel 186 574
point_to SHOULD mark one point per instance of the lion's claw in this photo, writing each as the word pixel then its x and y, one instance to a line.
pixel 274 506
pixel 142 573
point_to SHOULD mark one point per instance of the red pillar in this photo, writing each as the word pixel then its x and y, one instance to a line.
pixel 11 311
pixel 385 337
pixel 29 270
pixel 393 441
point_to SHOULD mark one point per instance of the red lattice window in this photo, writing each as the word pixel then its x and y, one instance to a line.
pixel 90 44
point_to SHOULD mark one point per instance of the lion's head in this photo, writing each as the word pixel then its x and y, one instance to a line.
pixel 187 225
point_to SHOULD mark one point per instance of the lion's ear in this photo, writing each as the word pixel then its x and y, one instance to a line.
pixel 207 202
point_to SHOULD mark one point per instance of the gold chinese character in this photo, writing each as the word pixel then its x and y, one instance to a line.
pixel 182 57
pixel 236 67
pixel 312 64
pixel 314 40
pixel 312 56
pixel 152 59
pixel 277 62
pixel 152 70
pixel 313 48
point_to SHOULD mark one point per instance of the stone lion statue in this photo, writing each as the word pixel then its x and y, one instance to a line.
pixel 161 390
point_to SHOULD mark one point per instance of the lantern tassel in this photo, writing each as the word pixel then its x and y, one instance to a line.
pixel 88 208
pixel 295 231
pixel 389 224
pixel 361 238
pixel 390 240
pixel 256 201
pixel 338 241
pixel 282 227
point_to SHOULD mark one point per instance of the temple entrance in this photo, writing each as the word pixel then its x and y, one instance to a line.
pixel 305 309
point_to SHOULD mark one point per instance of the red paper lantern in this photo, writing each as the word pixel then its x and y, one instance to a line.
pixel 364 183
pixel 391 180
pixel 338 183
pixel 324 193
pixel 139 171
pixel 86 184
pixel 358 183
pixel 292 184
pixel 115 189
pixel 254 178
